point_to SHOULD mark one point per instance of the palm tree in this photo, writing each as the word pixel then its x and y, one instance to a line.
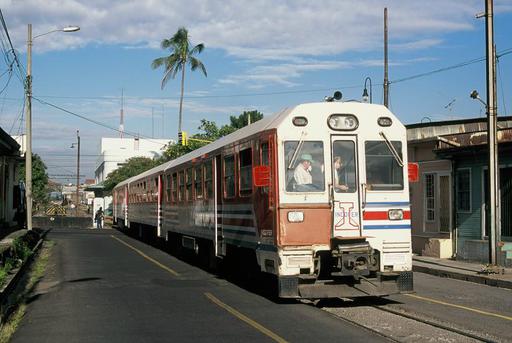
pixel 181 54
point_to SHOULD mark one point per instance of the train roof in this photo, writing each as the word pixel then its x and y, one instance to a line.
pixel 267 123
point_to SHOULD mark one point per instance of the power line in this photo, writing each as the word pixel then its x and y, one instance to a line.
pixel 18 64
pixel 136 135
pixel 454 66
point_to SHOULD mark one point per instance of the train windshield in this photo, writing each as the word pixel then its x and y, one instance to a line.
pixel 383 172
pixel 305 170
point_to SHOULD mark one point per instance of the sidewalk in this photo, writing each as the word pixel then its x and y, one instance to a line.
pixel 461 271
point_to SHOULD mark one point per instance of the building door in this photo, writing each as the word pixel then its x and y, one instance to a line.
pixel 445 203
pixel 505 204
pixel 506 201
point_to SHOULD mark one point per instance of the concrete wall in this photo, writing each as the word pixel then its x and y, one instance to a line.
pixel 62 222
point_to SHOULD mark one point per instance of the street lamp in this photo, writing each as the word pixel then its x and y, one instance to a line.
pixel 77 144
pixel 365 91
pixel 474 95
pixel 28 106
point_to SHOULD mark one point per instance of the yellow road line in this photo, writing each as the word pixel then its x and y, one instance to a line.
pixel 246 319
pixel 460 306
pixel 173 272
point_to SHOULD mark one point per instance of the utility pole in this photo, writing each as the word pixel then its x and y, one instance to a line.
pixel 491 134
pixel 152 122
pixel 77 172
pixel 28 152
pixel 121 124
pixel 386 81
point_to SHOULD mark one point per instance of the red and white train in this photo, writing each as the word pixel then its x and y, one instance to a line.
pixel 316 195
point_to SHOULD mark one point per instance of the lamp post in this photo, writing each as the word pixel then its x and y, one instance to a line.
pixel 491 213
pixel 77 144
pixel 28 106
pixel 365 91
pixel 491 106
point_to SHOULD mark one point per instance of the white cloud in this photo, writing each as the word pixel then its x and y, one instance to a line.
pixel 250 29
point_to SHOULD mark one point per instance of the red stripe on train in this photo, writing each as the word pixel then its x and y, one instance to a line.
pixel 382 215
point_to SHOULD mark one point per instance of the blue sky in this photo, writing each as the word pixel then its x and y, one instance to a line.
pixel 263 55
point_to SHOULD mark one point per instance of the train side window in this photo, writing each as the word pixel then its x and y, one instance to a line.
pixel 189 184
pixel 174 187
pixel 182 186
pixel 156 190
pixel 245 161
pixel 264 159
pixel 229 176
pixel 198 181
pixel 168 188
pixel 208 178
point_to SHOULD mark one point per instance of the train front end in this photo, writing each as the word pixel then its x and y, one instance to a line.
pixel 343 222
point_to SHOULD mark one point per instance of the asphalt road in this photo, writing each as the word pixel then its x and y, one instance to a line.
pixel 102 286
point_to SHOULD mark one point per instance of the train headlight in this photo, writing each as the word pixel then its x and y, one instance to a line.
pixel 343 122
pixel 384 121
pixel 295 216
pixel 396 214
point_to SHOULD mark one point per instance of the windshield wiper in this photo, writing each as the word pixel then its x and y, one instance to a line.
pixel 391 148
pixel 296 151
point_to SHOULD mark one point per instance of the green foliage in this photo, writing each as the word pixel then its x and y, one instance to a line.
pixel 133 166
pixel 19 253
pixel 21 249
pixel 243 119
pixel 210 132
pixel 181 55
pixel 39 179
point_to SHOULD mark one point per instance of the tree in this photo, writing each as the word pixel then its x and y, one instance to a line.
pixel 243 119
pixel 210 132
pixel 133 166
pixel 39 179
pixel 180 56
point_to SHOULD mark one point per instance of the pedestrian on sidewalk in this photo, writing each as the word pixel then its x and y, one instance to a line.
pixel 98 218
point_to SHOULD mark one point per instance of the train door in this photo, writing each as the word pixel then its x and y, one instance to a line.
pixel 344 191
pixel 220 246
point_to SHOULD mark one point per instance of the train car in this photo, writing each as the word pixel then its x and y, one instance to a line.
pixel 316 195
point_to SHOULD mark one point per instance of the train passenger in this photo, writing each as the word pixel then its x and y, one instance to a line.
pixel 339 181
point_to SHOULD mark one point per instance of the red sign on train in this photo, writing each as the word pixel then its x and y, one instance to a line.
pixel 261 176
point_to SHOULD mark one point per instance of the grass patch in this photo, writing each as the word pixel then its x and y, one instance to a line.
pixel 19 253
pixel 34 275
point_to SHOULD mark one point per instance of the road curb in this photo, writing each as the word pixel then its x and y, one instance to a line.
pixel 481 279
pixel 8 293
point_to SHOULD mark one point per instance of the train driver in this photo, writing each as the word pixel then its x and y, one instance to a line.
pixel 302 174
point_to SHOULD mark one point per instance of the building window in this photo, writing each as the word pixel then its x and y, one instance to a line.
pixel 198 182
pixel 430 197
pixel 245 172
pixel 464 190
pixel 229 176
pixel 208 177
pixel 189 184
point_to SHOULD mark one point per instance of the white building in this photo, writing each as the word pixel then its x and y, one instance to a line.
pixel 115 151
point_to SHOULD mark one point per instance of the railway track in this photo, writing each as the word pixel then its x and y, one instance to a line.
pixel 396 324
